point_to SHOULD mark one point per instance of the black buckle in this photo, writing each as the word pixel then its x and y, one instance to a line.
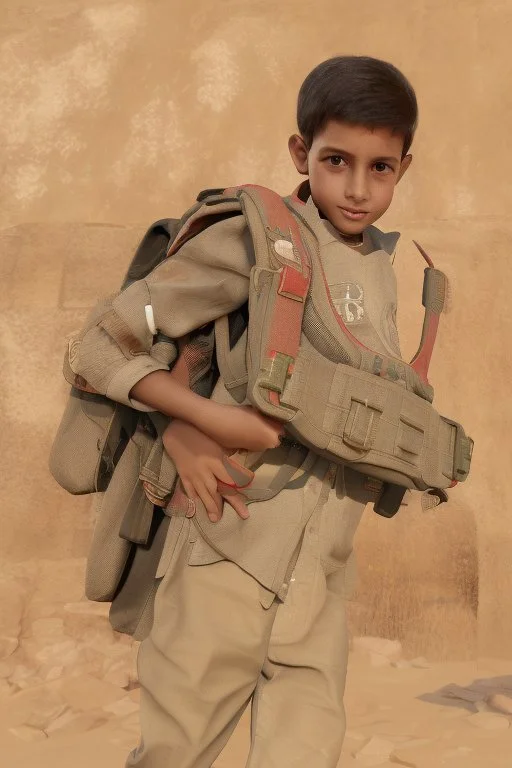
pixel 389 501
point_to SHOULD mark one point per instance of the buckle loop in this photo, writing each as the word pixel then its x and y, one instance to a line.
pixel 275 377
pixel 361 425
pixel 293 285
pixel 463 451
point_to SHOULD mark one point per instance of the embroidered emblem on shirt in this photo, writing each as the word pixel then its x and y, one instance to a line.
pixel 348 300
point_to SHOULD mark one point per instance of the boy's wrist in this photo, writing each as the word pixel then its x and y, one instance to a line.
pixel 206 415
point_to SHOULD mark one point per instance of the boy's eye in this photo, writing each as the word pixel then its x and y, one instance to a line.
pixel 381 167
pixel 336 160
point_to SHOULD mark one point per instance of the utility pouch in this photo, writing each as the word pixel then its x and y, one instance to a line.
pixel 109 552
pixel 91 437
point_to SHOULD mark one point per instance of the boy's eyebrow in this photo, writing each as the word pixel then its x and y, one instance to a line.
pixel 338 151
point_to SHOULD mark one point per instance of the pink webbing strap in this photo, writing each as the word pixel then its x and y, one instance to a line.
pixel 421 360
pixel 286 319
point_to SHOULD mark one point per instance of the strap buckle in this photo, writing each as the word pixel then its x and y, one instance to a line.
pixel 275 377
pixel 293 284
pixel 463 451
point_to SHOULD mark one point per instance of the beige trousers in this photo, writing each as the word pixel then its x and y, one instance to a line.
pixel 217 643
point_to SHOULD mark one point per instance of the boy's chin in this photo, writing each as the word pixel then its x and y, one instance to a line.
pixel 351 228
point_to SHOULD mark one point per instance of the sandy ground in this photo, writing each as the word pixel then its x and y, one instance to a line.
pixel 69 691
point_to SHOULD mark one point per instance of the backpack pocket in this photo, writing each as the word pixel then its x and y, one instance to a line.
pixel 110 552
pixel 131 611
pixel 89 442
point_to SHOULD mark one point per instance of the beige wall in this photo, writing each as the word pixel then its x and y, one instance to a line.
pixel 117 113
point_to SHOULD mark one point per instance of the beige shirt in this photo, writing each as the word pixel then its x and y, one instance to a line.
pixel 208 278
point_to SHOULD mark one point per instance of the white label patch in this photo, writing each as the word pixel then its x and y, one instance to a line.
pixel 286 250
pixel 150 319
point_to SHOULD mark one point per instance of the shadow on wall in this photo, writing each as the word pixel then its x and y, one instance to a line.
pixel 418 581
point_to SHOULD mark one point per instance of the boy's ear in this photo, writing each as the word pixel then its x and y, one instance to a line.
pixel 299 153
pixel 404 166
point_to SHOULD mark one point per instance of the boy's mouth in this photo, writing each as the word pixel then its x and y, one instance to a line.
pixel 353 214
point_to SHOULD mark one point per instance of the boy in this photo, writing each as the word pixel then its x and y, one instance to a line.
pixel 251 607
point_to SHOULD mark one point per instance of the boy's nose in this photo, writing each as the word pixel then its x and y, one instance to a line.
pixel 357 188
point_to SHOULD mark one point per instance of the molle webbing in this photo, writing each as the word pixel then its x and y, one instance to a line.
pixel 381 429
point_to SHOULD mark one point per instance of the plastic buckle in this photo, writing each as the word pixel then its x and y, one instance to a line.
pixel 462 454
pixel 361 425
pixel 390 500
pixel 275 378
pixel 432 498
pixel 293 285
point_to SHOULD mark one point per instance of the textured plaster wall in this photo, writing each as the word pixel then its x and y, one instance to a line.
pixel 114 114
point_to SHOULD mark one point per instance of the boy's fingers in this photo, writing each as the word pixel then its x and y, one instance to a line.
pixel 191 496
pixel 236 500
pixel 212 503
pixel 210 483
pixel 212 499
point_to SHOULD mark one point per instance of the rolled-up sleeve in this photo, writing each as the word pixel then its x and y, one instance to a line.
pixel 206 279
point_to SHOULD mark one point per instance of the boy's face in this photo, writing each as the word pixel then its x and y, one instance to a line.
pixel 353 171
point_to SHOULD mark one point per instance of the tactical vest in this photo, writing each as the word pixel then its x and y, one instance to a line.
pixel 300 363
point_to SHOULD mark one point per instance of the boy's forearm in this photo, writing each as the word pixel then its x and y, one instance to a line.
pixel 161 391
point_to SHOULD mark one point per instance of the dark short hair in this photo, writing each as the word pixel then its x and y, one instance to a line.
pixel 359 90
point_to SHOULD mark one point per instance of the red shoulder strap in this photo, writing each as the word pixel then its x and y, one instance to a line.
pixel 282 343
pixel 433 299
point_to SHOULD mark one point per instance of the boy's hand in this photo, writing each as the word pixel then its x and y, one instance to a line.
pixel 200 463
pixel 238 427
